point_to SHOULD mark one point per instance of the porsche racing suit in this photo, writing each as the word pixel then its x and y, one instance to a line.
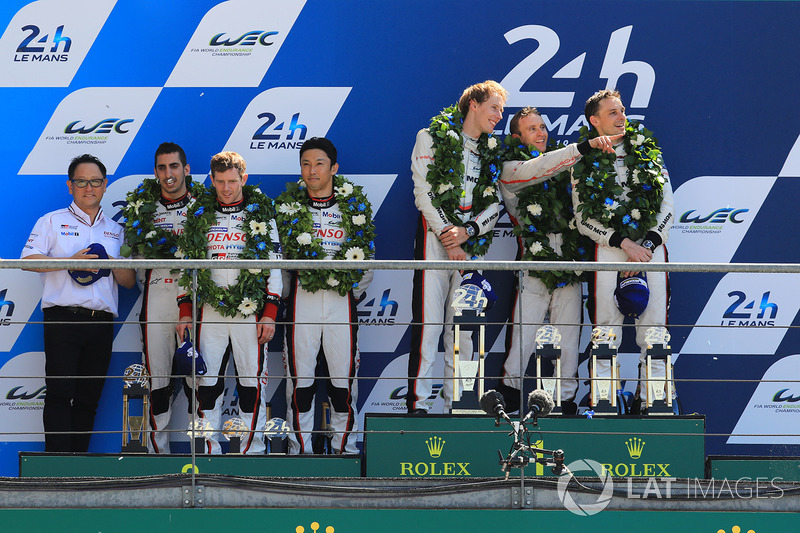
pixel 433 289
pixel 533 300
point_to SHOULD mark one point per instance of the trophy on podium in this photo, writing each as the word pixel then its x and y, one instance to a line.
pixel 470 301
pixel 659 386
pixel 135 386
pixel 547 347
pixel 235 430
pixel 199 430
pixel 604 370
pixel 275 433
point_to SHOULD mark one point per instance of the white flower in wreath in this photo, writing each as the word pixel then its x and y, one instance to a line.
pixel 536 247
pixel 150 235
pixel 247 307
pixel 304 239
pixel 488 191
pixel 333 282
pixel 345 190
pixel 354 254
pixel 359 220
pixel 535 209
pixel 572 224
pixel 453 134
pixel 636 214
pixel 289 209
pixel 613 206
pixel 636 177
pixel 179 254
pixel 136 205
pixel 661 179
pixel 444 187
pixel 258 228
pixel 491 143
pixel 638 140
pixel 255 271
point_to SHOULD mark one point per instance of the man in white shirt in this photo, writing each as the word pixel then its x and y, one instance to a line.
pixel 79 307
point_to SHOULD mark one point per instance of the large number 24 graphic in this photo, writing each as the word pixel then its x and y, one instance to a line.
pixel 613 67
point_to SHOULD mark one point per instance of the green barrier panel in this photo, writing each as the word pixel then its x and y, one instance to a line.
pixel 461 446
pixel 385 521
pixel 111 465
pixel 742 467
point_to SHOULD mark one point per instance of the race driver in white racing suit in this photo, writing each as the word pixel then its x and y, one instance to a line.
pixel 238 310
pixel 638 230
pixel 171 194
pixel 542 292
pixel 452 226
pixel 325 217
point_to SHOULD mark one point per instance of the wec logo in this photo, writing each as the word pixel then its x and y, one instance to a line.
pixel 718 216
pixel 248 39
pixel 104 126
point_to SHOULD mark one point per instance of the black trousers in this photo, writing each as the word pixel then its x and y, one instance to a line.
pixel 75 345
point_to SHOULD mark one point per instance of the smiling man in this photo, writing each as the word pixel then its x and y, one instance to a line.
pixel 229 221
pixel 632 226
pixel 324 217
pixel 79 306
pixel 536 192
pixel 154 218
pixel 455 166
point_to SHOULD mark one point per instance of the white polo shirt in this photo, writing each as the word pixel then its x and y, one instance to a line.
pixel 61 234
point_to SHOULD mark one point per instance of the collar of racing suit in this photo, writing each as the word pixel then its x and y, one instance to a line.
pixel 183 201
pixel 230 208
pixel 321 203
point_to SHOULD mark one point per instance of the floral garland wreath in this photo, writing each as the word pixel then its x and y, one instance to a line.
pixel 543 209
pixel 296 229
pixel 600 194
pixel 446 173
pixel 142 236
pixel 248 295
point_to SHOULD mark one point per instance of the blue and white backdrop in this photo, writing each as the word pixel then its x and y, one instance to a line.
pixel 716 81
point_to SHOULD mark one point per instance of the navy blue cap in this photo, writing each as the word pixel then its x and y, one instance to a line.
pixel 632 294
pixel 85 277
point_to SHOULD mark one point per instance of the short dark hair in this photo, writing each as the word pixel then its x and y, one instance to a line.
pixel 170 148
pixel 85 158
pixel 320 143
pixel 593 103
pixel 524 112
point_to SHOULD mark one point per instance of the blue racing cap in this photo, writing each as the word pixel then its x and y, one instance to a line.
pixel 632 294
pixel 84 277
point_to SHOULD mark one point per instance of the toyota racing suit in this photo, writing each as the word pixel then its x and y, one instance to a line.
pixel 157 317
pixel 215 333
pixel 322 319
pixel 433 289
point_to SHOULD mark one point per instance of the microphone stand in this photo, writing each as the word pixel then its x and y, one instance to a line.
pixel 521 452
